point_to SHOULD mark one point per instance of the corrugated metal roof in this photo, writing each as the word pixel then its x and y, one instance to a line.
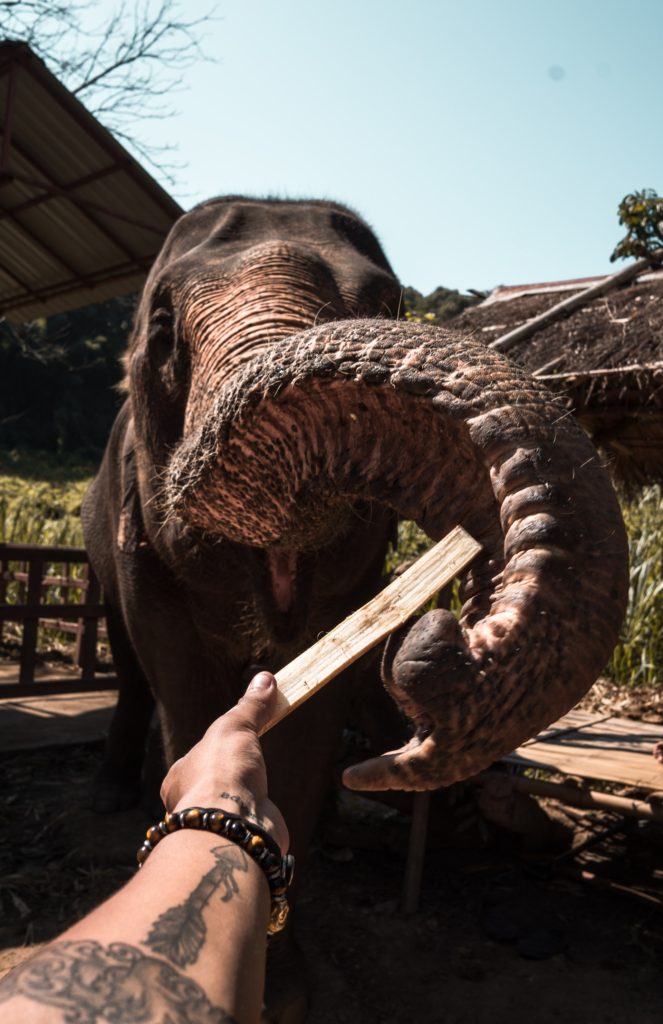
pixel 80 219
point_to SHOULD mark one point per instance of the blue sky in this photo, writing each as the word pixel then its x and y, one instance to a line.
pixel 486 141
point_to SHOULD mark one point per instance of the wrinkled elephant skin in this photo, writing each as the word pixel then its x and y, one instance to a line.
pixel 278 420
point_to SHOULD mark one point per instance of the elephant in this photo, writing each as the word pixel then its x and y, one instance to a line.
pixel 279 420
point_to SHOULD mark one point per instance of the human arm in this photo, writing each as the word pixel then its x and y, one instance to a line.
pixel 185 939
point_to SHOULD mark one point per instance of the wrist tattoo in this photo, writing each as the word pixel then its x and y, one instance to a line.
pixel 179 933
pixel 92 983
pixel 243 808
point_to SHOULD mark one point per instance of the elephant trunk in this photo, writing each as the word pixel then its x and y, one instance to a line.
pixel 278 289
pixel 444 432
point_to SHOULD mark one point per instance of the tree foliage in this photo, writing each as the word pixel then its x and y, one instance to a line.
pixel 59 376
pixel 642 213
pixel 58 379
pixel 125 68
pixel 442 304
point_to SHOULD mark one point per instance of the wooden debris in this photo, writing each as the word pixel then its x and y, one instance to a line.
pixel 578 797
pixel 366 627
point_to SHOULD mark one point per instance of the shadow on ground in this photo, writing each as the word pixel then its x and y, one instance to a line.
pixel 500 938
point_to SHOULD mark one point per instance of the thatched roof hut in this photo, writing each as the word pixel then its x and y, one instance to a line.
pixel 605 358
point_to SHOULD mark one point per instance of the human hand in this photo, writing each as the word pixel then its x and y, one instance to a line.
pixel 226 768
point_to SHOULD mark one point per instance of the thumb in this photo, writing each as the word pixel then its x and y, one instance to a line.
pixel 258 704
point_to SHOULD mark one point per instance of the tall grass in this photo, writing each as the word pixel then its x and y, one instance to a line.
pixel 638 657
pixel 40 504
pixel 637 660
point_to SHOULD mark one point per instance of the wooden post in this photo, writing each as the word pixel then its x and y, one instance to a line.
pixel 574 796
pixel 87 645
pixel 415 853
pixel 4 578
pixel 31 625
pixel 362 630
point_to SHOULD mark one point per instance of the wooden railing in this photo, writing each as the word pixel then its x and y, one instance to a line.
pixel 41 589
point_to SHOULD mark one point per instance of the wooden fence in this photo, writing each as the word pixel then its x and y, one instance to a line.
pixel 50 589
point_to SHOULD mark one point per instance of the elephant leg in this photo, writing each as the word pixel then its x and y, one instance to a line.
pixel 117 785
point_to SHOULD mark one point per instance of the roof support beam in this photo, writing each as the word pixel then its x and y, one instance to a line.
pixel 50 182
pixel 9 118
pixel 117 273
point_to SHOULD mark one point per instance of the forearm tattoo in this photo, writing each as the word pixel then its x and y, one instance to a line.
pixel 179 933
pixel 243 808
pixel 116 983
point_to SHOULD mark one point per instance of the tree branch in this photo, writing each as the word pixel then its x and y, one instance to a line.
pixel 123 69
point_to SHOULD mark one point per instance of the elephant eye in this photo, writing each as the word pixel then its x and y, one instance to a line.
pixel 160 336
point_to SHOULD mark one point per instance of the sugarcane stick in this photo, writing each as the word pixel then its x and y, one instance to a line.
pixel 371 623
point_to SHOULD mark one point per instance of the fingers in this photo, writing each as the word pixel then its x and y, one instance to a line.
pixel 403 769
pixel 256 707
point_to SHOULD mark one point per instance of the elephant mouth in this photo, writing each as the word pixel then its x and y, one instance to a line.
pixel 443 432
pixel 281 592
pixel 283 575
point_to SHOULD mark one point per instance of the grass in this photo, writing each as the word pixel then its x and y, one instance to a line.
pixel 638 657
pixel 40 504
pixel 40 501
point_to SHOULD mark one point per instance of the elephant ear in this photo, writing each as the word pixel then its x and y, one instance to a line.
pixel 443 431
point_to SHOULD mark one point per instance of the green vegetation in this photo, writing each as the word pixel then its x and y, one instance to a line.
pixel 642 213
pixel 441 305
pixel 40 501
pixel 638 657
pixel 58 379
pixel 58 395
pixel 41 504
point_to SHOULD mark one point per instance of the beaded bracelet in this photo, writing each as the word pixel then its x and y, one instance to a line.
pixel 279 869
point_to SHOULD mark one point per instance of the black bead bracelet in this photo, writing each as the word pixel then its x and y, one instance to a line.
pixel 278 868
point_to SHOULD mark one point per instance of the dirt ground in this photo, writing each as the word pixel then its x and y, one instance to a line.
pixel 504 934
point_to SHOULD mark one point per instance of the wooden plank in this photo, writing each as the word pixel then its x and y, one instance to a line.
pixel 57 684
pixel 572 722
pixel 31 722
pixel 20 612
pixel 27 552
pixel 366 627
pixel 31 623
pixel 86 637
pixel 627 731
pixel 615 751
pixel 60 626
pixel 77 582
pixel 3 593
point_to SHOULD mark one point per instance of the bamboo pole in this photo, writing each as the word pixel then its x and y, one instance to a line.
pixel 566 306
pixel 612 371
pixel 370 624
pixel 577 797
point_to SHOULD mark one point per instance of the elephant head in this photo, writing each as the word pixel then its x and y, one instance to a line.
pixel 267 426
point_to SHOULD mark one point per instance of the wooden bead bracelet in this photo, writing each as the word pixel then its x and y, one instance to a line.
pixel 278 868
